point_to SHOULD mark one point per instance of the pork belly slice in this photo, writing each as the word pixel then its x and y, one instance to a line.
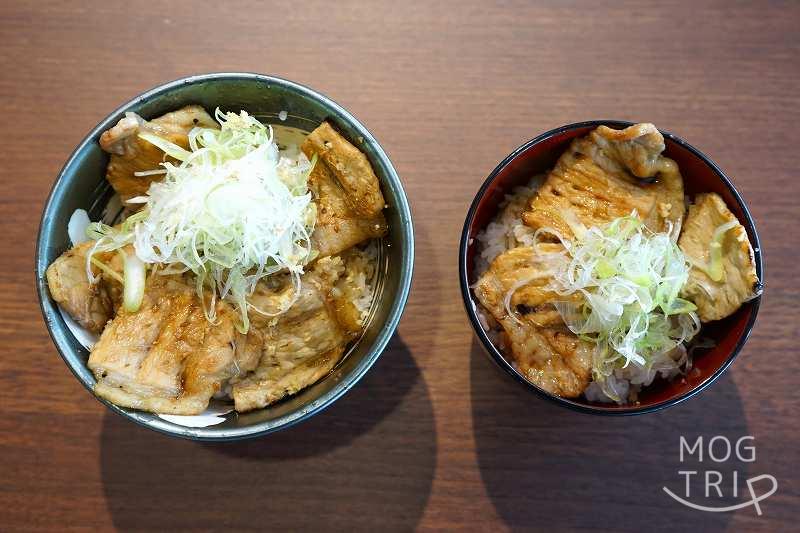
pixel 716 300
pixel 606 175
pixel 130 154
pixel 349 166
pixel 541 346
pixel 302 345
pixel 91 305
pixel 167 357
pixel 346 191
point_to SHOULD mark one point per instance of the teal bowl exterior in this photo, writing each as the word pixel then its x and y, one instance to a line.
pixel 82 185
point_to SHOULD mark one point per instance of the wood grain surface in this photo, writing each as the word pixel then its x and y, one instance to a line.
pixel 434 437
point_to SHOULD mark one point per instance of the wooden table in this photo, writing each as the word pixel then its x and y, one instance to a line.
pixel 434 437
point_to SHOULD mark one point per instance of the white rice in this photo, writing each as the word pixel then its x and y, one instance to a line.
pixel 359 285
pixel 627 382
pixel 507 231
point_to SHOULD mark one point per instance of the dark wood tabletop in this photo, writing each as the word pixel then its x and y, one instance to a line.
pixel 434 437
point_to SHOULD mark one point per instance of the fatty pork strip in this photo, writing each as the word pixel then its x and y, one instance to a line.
pixel 130 154
pixel 90 305
pixel 716 300
pixel 167 357
pixel 304 344
pixel 607 175
pixel 347 193
pixel 543 349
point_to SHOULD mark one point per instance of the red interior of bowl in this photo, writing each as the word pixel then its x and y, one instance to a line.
pixel 699 175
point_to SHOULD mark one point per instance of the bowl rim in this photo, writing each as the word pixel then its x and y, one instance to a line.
pixel 495 354
pixel 61 337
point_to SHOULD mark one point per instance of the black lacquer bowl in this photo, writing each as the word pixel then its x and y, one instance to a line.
pixel 700 174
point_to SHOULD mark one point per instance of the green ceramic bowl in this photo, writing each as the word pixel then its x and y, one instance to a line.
pixel 82 184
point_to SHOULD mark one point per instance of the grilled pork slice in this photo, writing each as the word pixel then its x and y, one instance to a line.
pixel 553 358
pixel 349 166
pixel 166 357
pixel 300 346
pixel 90 305
pixel 717 299
pixel 524 272
pixel 130 154
pixel 600 178
pixel 543 349
pixel 347 193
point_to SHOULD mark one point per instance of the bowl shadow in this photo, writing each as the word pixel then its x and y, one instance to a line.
pixel 546 466
pixel 366 462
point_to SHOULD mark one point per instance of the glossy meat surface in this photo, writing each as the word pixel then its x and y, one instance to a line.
pixel 598 179
pixel 130 154
pixel 300 346
pixel 347 193
pixel 166 357
pixel 90 305
pixel 553 357
pixel 717 299
pixel 349 166
pixel 543 349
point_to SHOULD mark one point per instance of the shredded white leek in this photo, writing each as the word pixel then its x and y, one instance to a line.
pixel 134 276
pixel 629 280
pixel 234 210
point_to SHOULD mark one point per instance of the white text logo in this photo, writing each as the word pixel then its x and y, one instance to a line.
pixel 720 450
